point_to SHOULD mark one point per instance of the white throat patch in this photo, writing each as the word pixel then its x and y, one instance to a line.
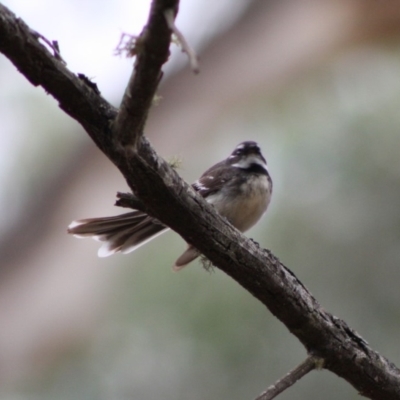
pixel 246 162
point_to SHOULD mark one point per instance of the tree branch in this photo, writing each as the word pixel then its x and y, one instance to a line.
pixel 309 364
pixel 21 45
pixel 175 204
pixel 152 51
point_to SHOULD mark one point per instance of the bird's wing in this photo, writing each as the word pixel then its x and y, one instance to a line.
pixel 212 180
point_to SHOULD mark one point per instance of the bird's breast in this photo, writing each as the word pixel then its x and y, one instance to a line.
pixel 245 204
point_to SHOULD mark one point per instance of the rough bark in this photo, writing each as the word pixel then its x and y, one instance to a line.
pixel 174 203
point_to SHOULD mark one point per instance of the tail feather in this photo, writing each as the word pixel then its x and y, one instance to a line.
pixel 122 233
pixel 100 226
pixel 188 256
pixel 125 233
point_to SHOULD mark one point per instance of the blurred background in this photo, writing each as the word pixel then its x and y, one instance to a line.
pixel 316 83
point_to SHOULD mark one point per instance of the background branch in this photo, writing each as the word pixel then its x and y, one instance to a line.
pixel 176 205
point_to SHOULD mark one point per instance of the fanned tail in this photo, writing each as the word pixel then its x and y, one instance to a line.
pixel 122 233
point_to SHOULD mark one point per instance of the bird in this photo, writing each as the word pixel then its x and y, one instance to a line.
pixel 239 187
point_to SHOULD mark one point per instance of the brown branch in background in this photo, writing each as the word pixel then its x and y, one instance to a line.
pixel 309 364
pixel 152 51
pixel 175 204
pixel 193 60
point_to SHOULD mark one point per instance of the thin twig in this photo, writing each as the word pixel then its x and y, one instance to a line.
pixel 52 44
pixel 309 364
pixel 194 62
pixel 128 45
pixel 129 200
